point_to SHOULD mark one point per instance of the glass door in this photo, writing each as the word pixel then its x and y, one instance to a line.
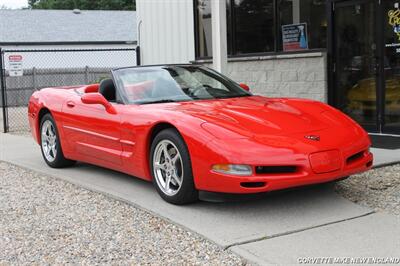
pixel 355 61
pixel 391 58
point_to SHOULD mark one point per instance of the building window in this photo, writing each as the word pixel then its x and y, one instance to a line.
pixel 255 26
pixel 204 32
pixel 204 27
pixel 311 12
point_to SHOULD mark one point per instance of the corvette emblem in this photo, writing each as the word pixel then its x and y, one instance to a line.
pixel 313 137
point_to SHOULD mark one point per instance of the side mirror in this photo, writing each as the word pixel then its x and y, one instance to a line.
pixel 244 86
pixel 97 98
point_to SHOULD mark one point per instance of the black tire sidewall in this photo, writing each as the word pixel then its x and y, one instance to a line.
pixel 60 160
pixel 187 193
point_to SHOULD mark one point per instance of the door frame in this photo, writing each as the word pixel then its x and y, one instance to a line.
pixel 379 75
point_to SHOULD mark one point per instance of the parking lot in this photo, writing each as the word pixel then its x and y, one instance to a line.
pixel 253 229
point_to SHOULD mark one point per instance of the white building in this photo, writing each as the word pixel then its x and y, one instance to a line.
pixel 342 52
pixel 47 48
pixel 69 30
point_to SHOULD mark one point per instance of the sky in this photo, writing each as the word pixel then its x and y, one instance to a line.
pixel 14 3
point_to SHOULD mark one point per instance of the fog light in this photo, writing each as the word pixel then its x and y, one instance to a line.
pixel 233 169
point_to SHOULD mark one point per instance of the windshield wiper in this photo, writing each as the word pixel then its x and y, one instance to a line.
pixel 159 101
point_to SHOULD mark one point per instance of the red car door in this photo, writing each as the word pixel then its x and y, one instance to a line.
pixel 91 132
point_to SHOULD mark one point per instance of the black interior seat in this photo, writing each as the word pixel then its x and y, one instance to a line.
pixel 107 89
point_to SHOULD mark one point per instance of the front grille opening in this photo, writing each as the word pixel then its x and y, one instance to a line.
pixel 278 169
pixel 355 157
pixel 253 184
pixel 369 164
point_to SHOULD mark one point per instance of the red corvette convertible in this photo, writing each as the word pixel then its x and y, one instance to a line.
pixel 188 128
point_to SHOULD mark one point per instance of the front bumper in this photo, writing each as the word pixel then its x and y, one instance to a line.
pixel 307 173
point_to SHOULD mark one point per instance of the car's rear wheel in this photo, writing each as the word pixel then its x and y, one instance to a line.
pixel 171 168
pixel 50 143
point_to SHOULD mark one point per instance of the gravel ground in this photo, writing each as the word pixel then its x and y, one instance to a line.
pixel 378 189
pixel 44 220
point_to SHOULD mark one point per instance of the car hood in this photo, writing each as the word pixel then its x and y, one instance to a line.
pixel 256 115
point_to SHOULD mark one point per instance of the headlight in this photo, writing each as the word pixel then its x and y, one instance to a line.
pixel 233 169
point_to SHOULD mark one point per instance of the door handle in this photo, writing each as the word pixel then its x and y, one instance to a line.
pixel 70 104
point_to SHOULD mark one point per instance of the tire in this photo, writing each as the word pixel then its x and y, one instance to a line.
pixel 50 144
pixel 172 174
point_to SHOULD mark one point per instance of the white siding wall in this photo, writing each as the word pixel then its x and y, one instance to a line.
pixel 166 31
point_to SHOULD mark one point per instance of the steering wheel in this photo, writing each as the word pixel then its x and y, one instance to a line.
pixel 198 88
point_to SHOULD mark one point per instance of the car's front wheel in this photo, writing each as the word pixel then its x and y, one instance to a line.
pixel 50 144
pixel 171 168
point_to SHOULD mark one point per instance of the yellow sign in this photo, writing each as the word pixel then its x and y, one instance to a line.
pixel 394 21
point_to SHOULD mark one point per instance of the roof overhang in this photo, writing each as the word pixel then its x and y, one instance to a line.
pixel 68 43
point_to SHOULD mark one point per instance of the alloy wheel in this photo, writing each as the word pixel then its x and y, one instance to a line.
pixel 49 141
pixel 168 167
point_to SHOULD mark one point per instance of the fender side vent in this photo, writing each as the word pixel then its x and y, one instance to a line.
pixel 278 169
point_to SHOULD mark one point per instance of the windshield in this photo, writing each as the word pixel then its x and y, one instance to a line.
pixel 173 84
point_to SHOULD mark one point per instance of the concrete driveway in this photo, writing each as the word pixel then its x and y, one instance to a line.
pixel 278 228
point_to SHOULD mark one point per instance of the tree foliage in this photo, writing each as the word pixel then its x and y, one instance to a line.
pixel 83 4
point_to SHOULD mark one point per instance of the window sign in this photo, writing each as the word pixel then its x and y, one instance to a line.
pixel 294 37
pixel 394 19
pixel 15 66
pixel 394 23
